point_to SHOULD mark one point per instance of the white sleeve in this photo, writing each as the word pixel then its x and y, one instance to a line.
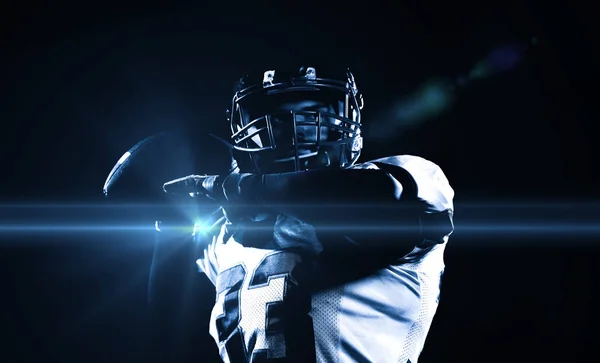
pixel 432 185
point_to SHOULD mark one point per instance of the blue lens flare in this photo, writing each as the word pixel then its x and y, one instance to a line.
pixel 476 219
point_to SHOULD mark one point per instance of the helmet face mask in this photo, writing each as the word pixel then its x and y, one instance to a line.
pixel 296 122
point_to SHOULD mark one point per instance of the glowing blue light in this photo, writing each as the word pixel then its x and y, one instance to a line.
pixel 199 226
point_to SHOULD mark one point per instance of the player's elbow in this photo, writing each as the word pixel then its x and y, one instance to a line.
pixel 437 221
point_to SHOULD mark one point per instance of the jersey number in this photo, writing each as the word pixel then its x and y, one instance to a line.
pixel 262 316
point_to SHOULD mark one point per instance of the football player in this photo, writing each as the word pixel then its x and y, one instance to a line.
pixel 314 256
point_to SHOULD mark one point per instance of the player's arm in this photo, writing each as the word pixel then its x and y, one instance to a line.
pixel 408 196
pixel 307 195
pixel 314 195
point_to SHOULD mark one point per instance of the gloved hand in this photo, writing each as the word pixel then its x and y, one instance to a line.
pixel 208 186
pixel 224 190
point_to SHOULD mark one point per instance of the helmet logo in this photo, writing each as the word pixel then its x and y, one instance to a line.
pixel 268 78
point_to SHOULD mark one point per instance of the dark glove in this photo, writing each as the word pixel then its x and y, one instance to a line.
pixel 223 190
pixel 207 186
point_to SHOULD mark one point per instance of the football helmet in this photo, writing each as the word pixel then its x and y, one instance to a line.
pixel 291 121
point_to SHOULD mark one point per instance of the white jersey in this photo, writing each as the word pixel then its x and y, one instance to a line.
pixel 262 312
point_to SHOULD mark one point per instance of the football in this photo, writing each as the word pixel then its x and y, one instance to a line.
pixel 141 171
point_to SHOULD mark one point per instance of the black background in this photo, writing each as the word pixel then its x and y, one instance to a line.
pixel 82 83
